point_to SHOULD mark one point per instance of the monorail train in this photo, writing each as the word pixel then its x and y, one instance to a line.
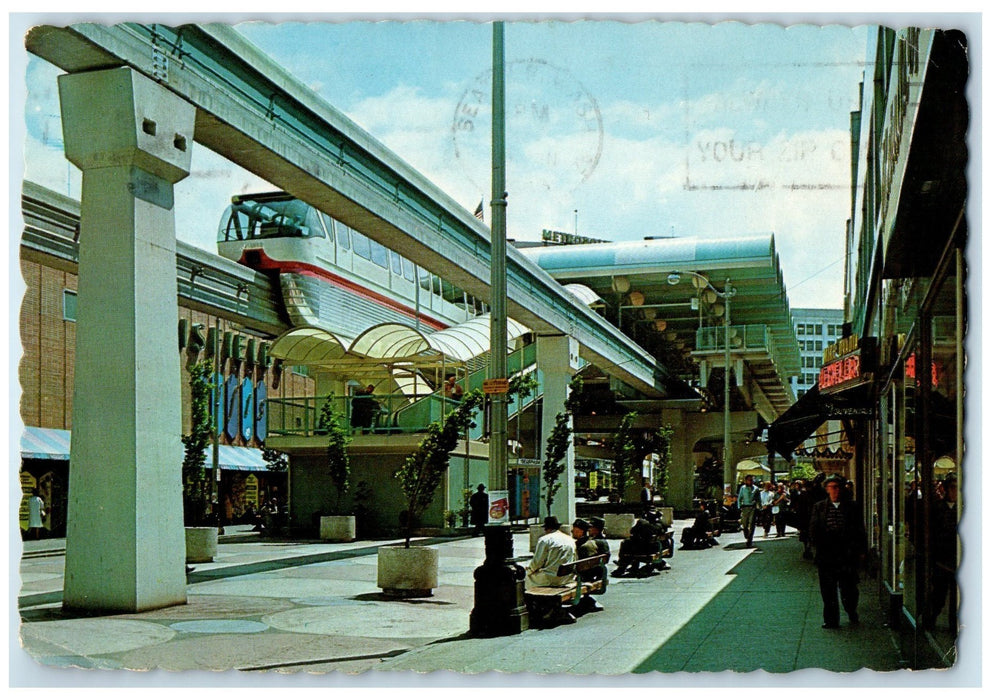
pixel 332 276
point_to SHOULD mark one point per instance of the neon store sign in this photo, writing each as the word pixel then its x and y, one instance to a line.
pixel 910 370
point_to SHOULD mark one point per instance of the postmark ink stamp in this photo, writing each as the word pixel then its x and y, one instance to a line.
pixel 559 117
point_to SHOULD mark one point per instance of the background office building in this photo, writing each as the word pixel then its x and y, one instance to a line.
pixel 815 329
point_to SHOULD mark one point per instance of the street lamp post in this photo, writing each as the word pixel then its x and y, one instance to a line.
pixel 727 294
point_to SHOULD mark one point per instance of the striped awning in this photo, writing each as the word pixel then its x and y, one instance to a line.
pixel 44 443
pixel 232 458
pixel 51 443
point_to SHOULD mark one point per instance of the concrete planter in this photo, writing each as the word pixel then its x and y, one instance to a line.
pixel 618 525
pixel 407 572
pixel 337 528
pixel 201 544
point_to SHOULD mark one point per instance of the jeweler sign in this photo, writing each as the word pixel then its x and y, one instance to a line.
pixel 854 367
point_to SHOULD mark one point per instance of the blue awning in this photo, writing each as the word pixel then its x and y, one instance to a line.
pixel 44 443
pixel 51 443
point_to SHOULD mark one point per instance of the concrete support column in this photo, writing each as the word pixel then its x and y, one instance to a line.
pixel 681 472
pixel 125 545
pixel 555 363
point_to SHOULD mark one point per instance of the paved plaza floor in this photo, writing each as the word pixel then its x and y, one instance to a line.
pixel 295 609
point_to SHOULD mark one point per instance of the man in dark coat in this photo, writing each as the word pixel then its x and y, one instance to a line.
pixel 479 505
pixel 944 547
pixel 699 535
pixel 836 529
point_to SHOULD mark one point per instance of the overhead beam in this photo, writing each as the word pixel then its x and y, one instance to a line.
pixel 256 114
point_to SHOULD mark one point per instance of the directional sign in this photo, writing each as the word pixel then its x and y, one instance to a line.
pixel 495 386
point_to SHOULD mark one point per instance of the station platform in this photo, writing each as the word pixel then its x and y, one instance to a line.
pixel 310 613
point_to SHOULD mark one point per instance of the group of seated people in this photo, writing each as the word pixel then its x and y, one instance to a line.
pixel 555 549
pixel 649 536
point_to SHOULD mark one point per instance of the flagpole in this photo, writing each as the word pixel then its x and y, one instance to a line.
pixel 498 456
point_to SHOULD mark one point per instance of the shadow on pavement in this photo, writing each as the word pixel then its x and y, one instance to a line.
pixel 768 618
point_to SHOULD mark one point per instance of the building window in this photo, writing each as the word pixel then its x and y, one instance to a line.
pixel 800 329
pixel 818 330
pixel 69 302
pixel 818 345
pixel 301 370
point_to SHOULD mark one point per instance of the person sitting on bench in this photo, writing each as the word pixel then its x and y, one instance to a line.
pixel 699 535
pixel 553 549
pixel 596 544
pixel 644 542
pixel 586 547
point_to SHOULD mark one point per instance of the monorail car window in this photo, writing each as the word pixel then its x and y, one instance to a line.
pixel 397 262
pixel 409 271
pixel 380 254
pixel 361 245
pixel 343 236
pixel 328 224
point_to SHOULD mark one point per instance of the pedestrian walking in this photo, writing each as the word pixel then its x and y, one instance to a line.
pixel 36 515
pixel 801 508
pixel 479 506
pixel 766 503
pixel 837 533
pixel 780 508
pixel 646 495
pixel 746 501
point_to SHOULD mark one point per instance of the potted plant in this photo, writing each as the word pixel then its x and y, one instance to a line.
pixel 624 470
pixel 198 516
pixel 411 572
pixel 339 525
pixel 556 452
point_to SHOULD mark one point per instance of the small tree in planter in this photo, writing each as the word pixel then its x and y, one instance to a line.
pixel 557 444
pixel 331 423
pixel 421 473
pixel 661 446
pixel 411 572
pixel 195 480
pixel 339 525
pixel 624 456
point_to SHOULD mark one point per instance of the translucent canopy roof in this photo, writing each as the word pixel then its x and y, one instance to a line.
pixel 308 346
pixel 386 342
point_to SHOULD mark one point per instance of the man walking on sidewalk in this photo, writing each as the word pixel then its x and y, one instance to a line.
pixel 837 533
pixel 746 500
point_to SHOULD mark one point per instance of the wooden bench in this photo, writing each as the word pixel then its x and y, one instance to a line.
pixel 543 598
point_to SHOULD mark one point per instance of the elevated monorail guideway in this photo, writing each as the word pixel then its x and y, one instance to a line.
pixel 256 114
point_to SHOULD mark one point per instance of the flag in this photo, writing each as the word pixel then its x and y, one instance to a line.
pixel 479 212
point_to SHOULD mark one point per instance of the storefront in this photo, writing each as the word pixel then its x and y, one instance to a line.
pixel 247 481
pixel 917 458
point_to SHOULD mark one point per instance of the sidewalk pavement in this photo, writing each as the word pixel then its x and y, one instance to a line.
pixel 292 607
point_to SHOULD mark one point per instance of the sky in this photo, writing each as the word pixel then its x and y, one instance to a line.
pixel 615 130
